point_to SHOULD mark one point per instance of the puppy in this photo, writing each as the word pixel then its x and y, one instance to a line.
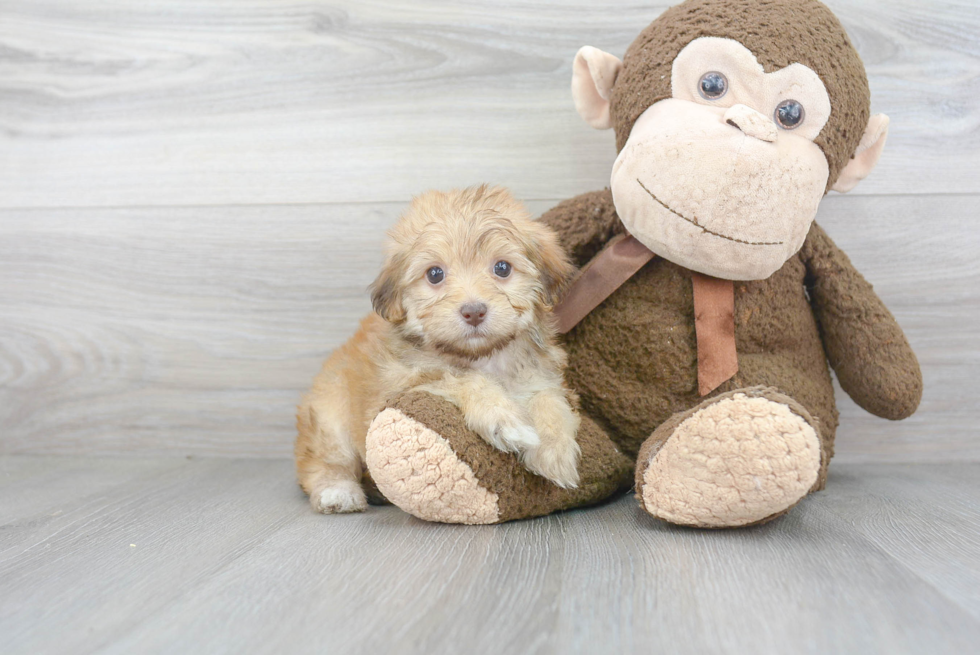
pixel 462 310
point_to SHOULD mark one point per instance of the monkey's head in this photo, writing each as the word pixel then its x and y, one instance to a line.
pixel 733 118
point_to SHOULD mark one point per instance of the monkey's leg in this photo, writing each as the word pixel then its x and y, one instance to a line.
pixel 744 457
pixel 424 460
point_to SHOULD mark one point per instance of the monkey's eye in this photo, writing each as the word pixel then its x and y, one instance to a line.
pixel 713 86
pixel 502 268
pixel 789 114
pixel 435 275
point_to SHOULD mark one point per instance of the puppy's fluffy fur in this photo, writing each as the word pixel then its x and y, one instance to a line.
pixel 479 339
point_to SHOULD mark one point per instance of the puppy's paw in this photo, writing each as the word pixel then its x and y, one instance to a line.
pixel 516 438
pixel 557 461
pixel 339 498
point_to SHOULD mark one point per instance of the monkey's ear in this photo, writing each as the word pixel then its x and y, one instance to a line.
pixel 593 75
pixel 386 290
pixel 866 156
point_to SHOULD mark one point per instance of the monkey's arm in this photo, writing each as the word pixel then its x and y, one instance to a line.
pixel 584 224
pixel 864 343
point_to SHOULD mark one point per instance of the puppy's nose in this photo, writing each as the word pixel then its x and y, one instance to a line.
pixel 473 312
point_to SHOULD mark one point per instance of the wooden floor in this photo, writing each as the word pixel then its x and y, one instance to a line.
pixel 219 555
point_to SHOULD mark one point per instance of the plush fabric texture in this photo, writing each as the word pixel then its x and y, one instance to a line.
pixel 738 459
pixel 420 418
pixel 779 33
pixel 751 86
pixel 618 261
pixel 866 157
pixel 752 122
pixel 701 194
pixel 633 360
pixel 587 223
pixel 865 345
pixel 417 470
pixel 593 75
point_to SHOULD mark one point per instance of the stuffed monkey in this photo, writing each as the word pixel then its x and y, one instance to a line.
pixel 710 308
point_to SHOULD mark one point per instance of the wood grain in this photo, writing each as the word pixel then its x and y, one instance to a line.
pixel 887 504
pixel 228 557
pixel 195 330
pixel 96 564
pixel 116 103
pixel 44 488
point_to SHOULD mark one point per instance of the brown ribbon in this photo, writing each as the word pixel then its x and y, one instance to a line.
pixel 714 325
pixel 714 306
pixel 617 262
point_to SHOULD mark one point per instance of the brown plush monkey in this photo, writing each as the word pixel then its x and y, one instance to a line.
pixel 702 353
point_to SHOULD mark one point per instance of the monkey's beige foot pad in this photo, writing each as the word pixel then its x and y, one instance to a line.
pixel 741 458
pixel 417 470
pixel 424 460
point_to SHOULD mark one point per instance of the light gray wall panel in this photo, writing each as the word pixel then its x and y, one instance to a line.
pixel 111 103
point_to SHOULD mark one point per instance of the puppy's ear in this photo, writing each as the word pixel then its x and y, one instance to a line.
pixel 552 261
pixel 386 290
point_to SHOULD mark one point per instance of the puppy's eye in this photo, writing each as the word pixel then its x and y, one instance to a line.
pixel 501 269
pixel 435 275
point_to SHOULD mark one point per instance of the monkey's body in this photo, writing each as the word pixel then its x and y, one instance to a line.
pixel 733 118
pixel 634 360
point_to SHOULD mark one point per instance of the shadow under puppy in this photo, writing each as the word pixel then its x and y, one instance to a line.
pixel 463 311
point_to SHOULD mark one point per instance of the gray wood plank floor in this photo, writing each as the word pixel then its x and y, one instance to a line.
pixel 220 555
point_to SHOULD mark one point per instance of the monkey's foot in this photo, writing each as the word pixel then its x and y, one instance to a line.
pixel 741 458
pixel 423 459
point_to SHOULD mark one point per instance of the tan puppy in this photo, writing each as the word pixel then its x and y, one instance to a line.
pixel 462 311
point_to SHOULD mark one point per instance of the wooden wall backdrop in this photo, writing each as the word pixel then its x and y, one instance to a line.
pixel 193 192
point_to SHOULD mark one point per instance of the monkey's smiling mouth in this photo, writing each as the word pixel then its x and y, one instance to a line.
pixel 694 222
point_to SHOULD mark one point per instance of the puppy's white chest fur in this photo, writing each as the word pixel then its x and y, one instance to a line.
pixel 500 365
pixel 509 366
pixel 520 372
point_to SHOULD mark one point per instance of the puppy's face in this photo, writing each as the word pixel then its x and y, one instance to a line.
pixel 468 271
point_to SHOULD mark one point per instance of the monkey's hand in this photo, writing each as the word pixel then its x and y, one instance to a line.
pixel 864 343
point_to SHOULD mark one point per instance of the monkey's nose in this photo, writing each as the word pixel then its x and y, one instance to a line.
pixel 473 312
pixel 751 122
